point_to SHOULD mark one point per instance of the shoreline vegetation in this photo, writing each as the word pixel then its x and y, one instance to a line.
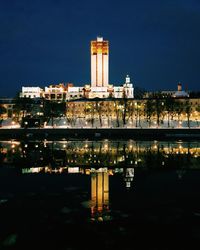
pixel 101 133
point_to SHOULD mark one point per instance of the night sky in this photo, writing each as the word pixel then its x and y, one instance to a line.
pixel 44 42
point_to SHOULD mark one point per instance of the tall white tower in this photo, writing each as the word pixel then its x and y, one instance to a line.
pixel 99 63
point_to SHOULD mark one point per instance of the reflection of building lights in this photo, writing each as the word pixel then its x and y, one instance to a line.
pixel 110 172
pixel 128 184
pixel 87 171
pixel 100 193
pixel 129 174
pixel 73 170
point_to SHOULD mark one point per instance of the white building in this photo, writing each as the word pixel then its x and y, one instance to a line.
pixel 128 88
pixel 31 92
pixel 74 93
pixel 55 92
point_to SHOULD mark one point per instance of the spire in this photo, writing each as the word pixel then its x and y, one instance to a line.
pixel 179 86
pixel 128 80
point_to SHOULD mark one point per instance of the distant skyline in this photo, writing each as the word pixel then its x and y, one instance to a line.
pixel 46 42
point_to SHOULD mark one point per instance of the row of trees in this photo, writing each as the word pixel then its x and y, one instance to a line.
pixel 169 107
pixel 120 111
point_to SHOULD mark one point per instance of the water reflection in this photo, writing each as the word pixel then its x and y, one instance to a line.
pixel 56 156
pixel 100 194
pixel 141 189
pixel 100 160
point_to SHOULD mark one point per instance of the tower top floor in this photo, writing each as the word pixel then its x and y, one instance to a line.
pixel 99 46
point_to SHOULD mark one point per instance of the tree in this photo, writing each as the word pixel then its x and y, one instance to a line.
pixel 149 110
pixel 130 109
pixel 53 110
pixel 99 109
pixel 170 108
pixel 179 107
pixel 125 108
pixel 138 108
pixel 159 108
pixel 117 111
pixel 89 111
pixel 2 111
pixel 22 107
pixel 188 111
pixel 198 113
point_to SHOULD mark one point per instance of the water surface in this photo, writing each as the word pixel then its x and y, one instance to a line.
pixel 99 194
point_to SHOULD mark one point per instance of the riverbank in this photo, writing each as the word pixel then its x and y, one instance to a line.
pixel 100 133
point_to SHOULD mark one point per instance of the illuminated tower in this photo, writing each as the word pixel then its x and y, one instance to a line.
pixel 99 62
pixel 99 193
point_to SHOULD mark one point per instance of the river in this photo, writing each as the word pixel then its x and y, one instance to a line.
pixel 106 194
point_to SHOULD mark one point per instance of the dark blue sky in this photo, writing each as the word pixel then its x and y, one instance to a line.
pixel 42 42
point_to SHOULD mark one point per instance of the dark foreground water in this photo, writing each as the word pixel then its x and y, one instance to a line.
pixel 99 195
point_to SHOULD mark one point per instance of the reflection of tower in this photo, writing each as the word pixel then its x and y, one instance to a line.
pixel 100 193
pixel 99 62
pixel 129 174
